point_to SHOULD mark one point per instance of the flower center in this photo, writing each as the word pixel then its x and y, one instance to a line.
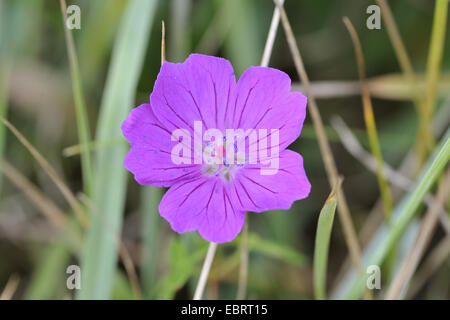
pixel 215 158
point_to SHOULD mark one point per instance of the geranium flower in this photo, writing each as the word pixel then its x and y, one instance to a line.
pixel 169 137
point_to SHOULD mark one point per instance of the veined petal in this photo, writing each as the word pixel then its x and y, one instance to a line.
pixel 155 167
pixel 202 204
pixel 256 192
pixel 197 90
pixel 149 158
pixel 142 127
pixel 264 101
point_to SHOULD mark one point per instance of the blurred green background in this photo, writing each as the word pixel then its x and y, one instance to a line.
pixel 36 96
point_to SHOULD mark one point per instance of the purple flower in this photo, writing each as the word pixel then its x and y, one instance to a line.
pixel 167 139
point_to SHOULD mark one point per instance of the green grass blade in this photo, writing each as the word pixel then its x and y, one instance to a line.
pixel 433 75
pixel 323 234
pixel 151 197
pixel 49 277
pixel 100 253
pixel 240 37
pixel 97 37
pixel 388 234
pixel 84 135
pixel 5 69
pixel 275 250
pixel 122 289
pixel 4 88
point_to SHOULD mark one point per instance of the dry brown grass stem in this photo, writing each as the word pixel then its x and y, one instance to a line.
pixel 53 214
pixel 163 42
pixel 327 156
pixel 369 119
pixel 10 287
pixel 66 192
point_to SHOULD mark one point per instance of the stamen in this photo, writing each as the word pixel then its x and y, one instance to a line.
pixel 216 163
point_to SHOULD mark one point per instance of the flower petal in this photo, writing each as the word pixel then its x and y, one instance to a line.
pixel 256 192
pixel 197 90
pixel 264 101
pixel 202 204
pixel 149 158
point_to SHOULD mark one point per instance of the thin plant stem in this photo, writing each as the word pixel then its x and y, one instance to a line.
pixel 407 69
pixel 433 74
pixel 73 150
pixel 327 156
pixel 369 118
pixel 163 42
pixel 10 288
pixel 401 53
pixel 5 69
pixel 80 107
pixel 271 36
pixel 205 271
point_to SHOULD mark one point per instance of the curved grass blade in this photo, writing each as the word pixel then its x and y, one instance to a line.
pixel 323 234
